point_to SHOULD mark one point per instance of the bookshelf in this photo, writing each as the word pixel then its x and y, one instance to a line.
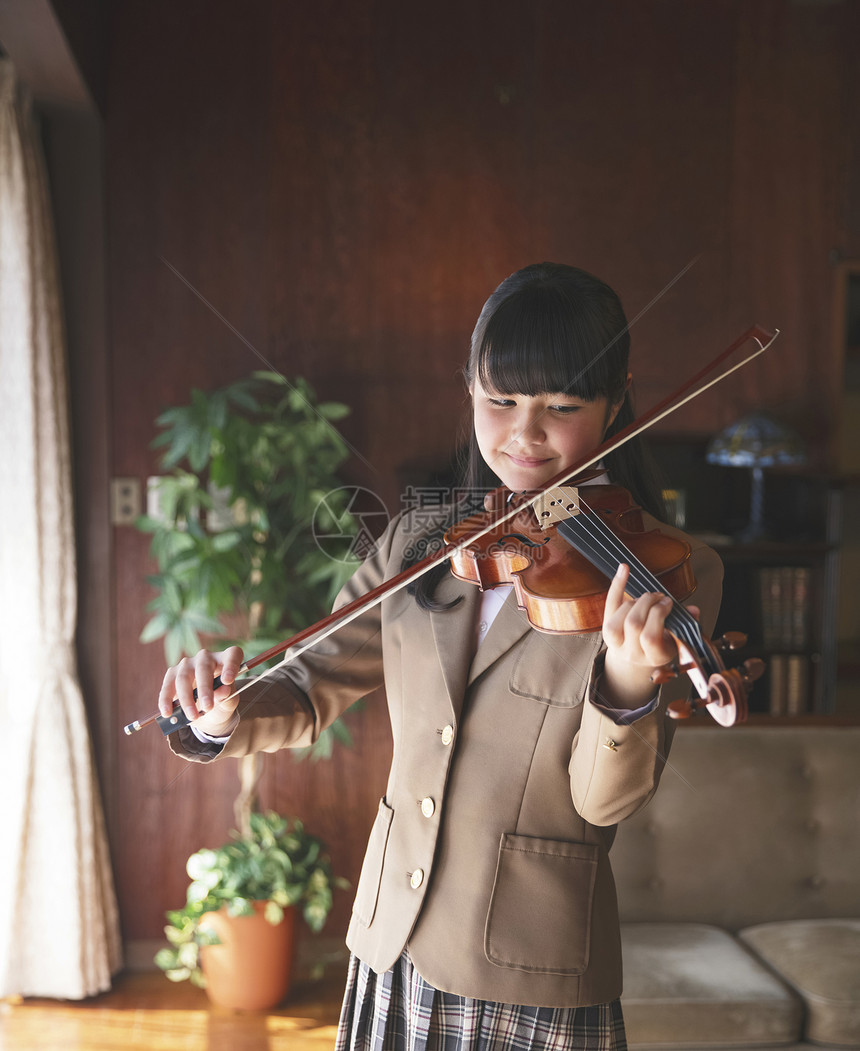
pixel 779 593
pixel 782 592
pixel 795 595
pixel 846 456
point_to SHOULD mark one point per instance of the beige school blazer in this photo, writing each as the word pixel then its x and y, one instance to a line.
pixel 488 858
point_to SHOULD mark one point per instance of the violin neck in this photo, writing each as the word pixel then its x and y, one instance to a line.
pixel 596 542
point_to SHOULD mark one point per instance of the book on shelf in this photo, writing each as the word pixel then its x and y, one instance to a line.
pixel 789 683
pixel 784 594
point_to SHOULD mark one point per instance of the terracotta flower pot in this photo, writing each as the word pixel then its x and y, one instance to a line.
pixel 251 969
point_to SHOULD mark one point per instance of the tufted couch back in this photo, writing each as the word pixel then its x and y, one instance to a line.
pixel 749 825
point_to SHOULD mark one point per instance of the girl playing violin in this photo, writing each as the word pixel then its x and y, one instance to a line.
pixel 485 915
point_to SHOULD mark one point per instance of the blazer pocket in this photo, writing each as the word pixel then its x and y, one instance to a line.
pixel 367 894
pixel 555 669
pixel 540 911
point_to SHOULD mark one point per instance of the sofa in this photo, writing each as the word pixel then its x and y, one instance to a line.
pixel 739 892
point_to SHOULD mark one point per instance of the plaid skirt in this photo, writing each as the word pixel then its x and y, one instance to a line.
pixel 399 1011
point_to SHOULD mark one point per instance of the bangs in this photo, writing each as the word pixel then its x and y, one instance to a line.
pixel 539 341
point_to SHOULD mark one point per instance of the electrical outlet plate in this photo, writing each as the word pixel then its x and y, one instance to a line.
pixel 124 500
pixel 153 499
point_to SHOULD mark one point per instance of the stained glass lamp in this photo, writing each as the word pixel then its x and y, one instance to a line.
pixel 756 441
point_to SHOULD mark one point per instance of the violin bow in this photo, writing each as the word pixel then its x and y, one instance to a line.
pixel 309 637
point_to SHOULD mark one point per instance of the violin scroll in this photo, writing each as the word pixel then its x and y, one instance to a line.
pixel 723 693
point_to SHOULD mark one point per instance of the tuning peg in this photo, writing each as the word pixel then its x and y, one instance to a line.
pixel 681 709
pixel 731 640
pixel 752 669
pixel 665 674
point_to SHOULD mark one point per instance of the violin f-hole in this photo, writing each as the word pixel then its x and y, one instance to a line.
pixel 520 538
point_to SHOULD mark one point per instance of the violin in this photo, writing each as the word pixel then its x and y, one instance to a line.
pixel 561 548
pixel 722 691
pixel 561 581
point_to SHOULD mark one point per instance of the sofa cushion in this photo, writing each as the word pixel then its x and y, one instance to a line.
pixel 694 986
pixel 755 825
pixel 821 960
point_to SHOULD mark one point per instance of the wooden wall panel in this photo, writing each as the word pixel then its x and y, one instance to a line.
pixel 336 188
pixel 636 126
pixel 791 66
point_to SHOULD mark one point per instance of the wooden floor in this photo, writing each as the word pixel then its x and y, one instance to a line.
pixel 146 1012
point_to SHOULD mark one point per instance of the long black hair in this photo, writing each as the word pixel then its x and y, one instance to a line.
pixel 551 328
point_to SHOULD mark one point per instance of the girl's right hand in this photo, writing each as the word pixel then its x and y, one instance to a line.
pixel 214 711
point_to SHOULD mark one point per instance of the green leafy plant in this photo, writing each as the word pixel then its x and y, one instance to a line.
pixel 276 861
pixel 250 478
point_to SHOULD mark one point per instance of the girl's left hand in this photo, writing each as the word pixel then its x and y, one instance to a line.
pixel 637 642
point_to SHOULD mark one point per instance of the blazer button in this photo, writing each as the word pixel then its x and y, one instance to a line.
pixel 416 879
pixel 447 734
pixel 428 807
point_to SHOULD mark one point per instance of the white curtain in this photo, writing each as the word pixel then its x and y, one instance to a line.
pixel 59 932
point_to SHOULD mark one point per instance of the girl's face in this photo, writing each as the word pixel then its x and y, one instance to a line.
pixel 528 439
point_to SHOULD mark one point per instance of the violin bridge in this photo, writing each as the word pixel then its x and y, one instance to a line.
pixel 557 505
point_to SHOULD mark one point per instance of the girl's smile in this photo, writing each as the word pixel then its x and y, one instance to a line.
pixel 528 439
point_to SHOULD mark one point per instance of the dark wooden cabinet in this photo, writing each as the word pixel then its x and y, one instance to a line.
pixel 782 591
pixel 778 593
pixel 846 456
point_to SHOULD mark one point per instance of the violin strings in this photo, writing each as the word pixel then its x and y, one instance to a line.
pixel 641 579
pixel 640 575
pixel 596 541
pixel 680 620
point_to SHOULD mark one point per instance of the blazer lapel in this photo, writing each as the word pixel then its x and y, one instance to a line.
pixel 454 635
pixel 454 632
pixel 507 629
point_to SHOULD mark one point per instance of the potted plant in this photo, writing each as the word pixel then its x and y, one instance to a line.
pixel 249 481
pixel 234 935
